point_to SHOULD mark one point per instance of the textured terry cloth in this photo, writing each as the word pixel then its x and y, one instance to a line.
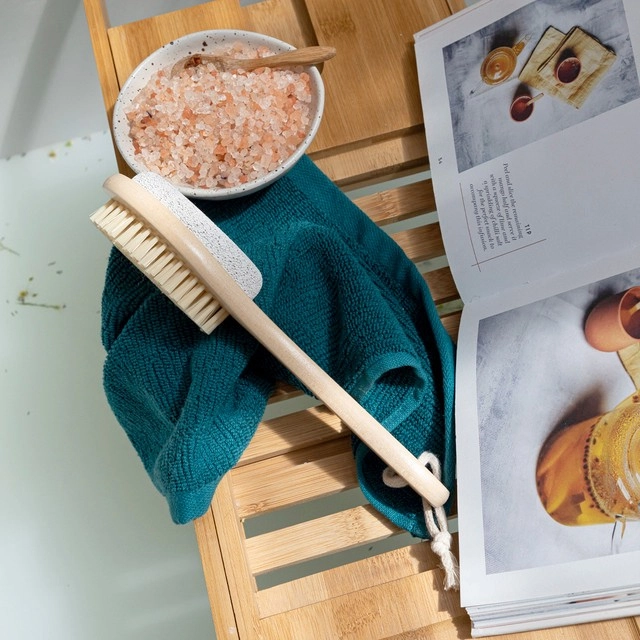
pixel 340 288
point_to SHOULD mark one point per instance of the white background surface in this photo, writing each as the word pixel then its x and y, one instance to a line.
pixel 87 547
pixel 50 89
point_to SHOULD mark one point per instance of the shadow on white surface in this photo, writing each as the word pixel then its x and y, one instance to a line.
pixel 85 539
pixel 50 84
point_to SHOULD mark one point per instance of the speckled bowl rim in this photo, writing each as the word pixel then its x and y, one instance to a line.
pixel 190 44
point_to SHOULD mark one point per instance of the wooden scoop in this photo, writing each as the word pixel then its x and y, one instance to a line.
pixel 304 57
pixel 535 99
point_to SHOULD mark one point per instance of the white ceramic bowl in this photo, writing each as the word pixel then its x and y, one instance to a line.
pixel 191 44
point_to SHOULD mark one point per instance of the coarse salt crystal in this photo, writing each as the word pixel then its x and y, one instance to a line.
pixel 186 126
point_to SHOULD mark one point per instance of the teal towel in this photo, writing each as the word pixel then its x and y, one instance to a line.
pixel 340 288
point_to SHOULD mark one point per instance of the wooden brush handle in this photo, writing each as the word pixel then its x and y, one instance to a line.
pixel 206 267
pixel 322 385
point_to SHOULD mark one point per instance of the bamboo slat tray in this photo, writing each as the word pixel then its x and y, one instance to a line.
pixel 289 547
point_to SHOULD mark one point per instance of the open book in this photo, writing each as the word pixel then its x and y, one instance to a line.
pixel 532 114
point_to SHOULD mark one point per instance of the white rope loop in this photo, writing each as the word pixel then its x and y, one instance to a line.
pixel 435 519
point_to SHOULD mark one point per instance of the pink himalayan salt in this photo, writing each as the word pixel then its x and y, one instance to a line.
pixel 214 129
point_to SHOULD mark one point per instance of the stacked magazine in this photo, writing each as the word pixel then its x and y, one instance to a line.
pixel 532 112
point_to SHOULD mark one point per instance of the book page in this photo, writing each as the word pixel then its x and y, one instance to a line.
pixel 525 374
pixel 524 189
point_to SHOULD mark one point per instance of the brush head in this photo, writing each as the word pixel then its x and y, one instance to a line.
pixel 128 221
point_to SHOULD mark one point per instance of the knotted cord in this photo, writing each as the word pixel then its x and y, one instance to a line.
pixel 435 519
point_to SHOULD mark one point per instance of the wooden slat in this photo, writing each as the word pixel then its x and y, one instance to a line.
pixel 215 574
pixel 293 431
pixel 401 203
pixel 345 579
pixel 98 23
pixel 456 5
pixel 452 324
pixel 283 392
pixel 133 42
pixel 441 285
pixel 422 243
pixel 374 40
pixel 374 161
pixel 459 628
pixel 388 610
pixel 317 538
pixel 414 608
pixel 293 478
pixel 241 586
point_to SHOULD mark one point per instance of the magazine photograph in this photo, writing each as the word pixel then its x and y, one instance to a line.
pixel 544 394
pixel 525 78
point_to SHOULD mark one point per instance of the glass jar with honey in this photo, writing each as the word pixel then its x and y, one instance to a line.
pixel 589 472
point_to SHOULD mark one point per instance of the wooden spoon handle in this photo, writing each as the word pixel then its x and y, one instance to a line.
pixel 535 98
pixel 305 57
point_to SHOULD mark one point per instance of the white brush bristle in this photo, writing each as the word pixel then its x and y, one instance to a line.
pixel 235 262
pixel 159 263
